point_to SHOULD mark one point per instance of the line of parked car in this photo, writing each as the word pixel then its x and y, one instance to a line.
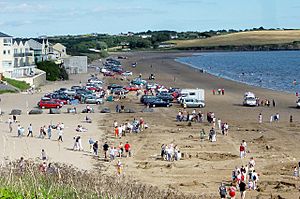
pixel 91 93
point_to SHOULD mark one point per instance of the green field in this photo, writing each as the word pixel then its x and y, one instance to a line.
pixel 243 38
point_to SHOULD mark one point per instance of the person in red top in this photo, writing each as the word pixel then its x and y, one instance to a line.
pixel 232 191
pixel 242 151
pixel 127 148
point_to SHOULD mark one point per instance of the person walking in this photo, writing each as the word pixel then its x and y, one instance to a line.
pixel 105 149
pixel 243 187
pixel 95 148
pixel 260 118
pixel 242 151
pixel 273 102
pixel 60 134
pixel 222 191
pixel 49 131
pixel 10 125
pixel 30 131
pixel 127 148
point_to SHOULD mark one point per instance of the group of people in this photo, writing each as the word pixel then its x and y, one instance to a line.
pixel 273 118
pixel 44 132
pixel 111 152
pixel 194 116
pixel 135 126
pixel 243 178
pixel 265 102
pixel 170 152
pixel 219 91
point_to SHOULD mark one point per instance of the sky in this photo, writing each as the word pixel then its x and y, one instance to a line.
pixel 32 18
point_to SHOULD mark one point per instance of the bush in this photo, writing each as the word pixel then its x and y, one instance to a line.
pixel 22 85
pixel 67 182
pixel 53 71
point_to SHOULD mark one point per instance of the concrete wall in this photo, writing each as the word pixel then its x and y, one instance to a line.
pixel 37 80
pixel 75 64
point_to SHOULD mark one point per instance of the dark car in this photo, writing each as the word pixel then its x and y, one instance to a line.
pixel 113 86
pixel 76 87
pixel 159 103
pixel 119 91
pixel 147 97
pixel 165 96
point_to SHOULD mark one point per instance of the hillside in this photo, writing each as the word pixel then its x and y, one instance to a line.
pixel 253 38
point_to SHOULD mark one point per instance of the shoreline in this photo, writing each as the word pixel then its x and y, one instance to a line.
pixel 202 70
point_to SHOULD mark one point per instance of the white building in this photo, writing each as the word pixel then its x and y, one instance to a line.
pixel 75 64
pixel 6 54
pixel 17 61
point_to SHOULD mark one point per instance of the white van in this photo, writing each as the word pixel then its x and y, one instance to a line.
pixel 249 99
pixel 191 93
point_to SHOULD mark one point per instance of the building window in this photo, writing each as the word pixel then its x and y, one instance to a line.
pixel 8 52
pixel 15 51
pixel 4 52
pixel 6 64
pixel 7 42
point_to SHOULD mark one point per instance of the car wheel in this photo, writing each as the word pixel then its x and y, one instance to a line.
pixel 43 107
pixel 200 106
pixel 153 105
pixel 98 102
pixel 168 105
pixel 58 107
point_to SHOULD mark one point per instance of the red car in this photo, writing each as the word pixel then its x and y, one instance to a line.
pixel 109 73
pixel 49 104
pixel 131 88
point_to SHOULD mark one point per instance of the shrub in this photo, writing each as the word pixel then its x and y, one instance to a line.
pixel 53 71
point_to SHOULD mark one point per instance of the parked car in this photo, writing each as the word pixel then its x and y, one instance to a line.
pixel 131 88
pixel 139 81
pixel 75 87
pixel 95 80
pixel 122 57
pixel 192 103
pixel 109 73
pixel 113 86
pixel 93 100
pixel 165 96
pixel 119 91
pixel 146 97
pixel 151 86
pixel 159 103
pixel 127 73
pixel 70 92
pixel 56 100
pixel 49 104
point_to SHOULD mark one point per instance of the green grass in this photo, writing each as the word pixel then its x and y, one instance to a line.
pixel 7 91
pixel 22 85
pixel 243 38
pixel 70 183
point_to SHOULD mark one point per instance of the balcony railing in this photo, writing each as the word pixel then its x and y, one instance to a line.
pixel 22 54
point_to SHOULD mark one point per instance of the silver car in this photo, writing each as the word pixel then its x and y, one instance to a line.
pixel 192 103
pixel 93 100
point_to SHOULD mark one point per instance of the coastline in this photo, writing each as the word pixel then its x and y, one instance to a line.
pixel 202 70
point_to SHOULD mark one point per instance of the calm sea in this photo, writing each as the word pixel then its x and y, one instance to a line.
pixel 275 70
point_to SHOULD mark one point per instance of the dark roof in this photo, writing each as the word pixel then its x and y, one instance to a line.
pixel 4 35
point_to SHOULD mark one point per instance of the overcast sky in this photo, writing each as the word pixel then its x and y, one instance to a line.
pixel 60 17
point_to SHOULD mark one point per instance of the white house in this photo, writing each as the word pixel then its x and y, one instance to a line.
pixel 6 54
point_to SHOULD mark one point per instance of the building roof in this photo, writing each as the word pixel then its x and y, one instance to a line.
pixel 58 47
pixel 34 44
pixel 4 35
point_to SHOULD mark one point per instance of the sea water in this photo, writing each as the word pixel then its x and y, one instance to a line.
pixel 276 70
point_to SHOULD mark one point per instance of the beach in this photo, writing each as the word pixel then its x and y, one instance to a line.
pixel 205 165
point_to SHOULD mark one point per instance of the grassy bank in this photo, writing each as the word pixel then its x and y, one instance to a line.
pixel 252 38
pixel 66 182
pixel 22 85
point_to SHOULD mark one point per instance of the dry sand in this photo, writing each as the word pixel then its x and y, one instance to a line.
pixel 210 163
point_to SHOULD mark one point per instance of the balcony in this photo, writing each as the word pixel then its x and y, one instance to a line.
pixel 22 54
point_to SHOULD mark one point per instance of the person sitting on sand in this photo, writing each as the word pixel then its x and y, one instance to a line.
pixel 80 128
pixel 43 155
pixel 88 119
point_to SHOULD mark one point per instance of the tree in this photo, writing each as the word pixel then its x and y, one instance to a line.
pixel 53 71
pixel 101 45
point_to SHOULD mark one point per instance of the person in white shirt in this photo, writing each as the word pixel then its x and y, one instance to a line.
pixel 30 131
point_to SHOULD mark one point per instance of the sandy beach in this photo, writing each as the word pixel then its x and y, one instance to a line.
pixel 273 145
